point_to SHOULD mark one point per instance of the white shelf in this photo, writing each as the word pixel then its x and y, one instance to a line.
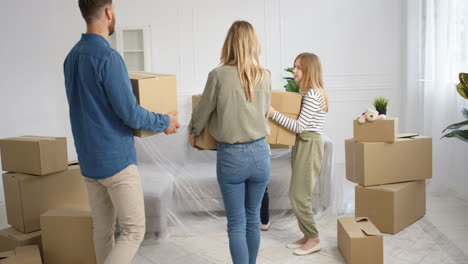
pixel 134 44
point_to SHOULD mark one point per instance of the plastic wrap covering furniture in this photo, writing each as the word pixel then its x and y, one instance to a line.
pixel 180 183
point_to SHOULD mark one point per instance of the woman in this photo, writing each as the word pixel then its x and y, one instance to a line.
pixel 236 100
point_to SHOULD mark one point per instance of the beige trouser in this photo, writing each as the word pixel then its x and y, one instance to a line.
pixel 118 196
pixel 306 161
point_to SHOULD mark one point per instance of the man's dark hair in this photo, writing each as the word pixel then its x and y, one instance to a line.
pixel 90 8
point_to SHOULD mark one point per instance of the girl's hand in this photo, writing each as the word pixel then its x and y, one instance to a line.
pixel 271 112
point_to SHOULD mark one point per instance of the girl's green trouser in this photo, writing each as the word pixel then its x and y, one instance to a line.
pixel 306 161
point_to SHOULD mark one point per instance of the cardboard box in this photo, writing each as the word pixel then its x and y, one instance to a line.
pixel 67 236
pixel 392 207
pixel 155 92
pixel 11 238
pixel 27 197
pixel 34 155
pixel 377 131
pixel 21 255
pixel 359 241
pixel 205 140
pixel 288 104
pixel 376 163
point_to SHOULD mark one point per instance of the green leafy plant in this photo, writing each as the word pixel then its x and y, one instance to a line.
pixel 380 104
pixel 462 89
pixel 291 86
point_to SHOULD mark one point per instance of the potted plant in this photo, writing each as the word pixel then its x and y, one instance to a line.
pixel 462 89
pixel 380 104
pixel 291 86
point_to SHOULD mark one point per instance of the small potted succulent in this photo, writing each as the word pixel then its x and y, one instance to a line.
pixel 380 104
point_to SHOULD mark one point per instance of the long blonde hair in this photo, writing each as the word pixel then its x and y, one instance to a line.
pixel 311 75
pixel 241 49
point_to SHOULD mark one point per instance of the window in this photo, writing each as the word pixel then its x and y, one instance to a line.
pixel 134 46
pixel 462 35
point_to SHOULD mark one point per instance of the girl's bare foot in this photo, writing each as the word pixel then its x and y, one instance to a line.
pixel 297 244
pixel 301 241
pixel 310 243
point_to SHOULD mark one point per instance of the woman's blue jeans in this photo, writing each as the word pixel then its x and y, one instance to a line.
pixel 243 171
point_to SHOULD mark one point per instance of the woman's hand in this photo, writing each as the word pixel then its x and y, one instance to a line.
pixel 192 140
pixel 271 112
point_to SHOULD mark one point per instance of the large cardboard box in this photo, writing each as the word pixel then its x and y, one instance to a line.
pixel 34 155
pixel 155 92
pixel 359 241
pixel 392 207
pixel 205 140
pixel 67 236
pixel 21 255
pixel 27 197
pixel 11 238
pixel 376 163
pixel 376 131
pixel 289 104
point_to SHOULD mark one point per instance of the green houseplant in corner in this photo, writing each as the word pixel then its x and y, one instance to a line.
pixel 380 104
pixel 291 86
pixel 462 89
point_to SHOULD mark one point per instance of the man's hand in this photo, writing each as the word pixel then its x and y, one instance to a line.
pixel 173 125
pixel 271 112
pixel 192 140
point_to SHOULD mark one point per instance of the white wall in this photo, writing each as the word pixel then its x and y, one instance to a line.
pixel 361 44
pixel 35 38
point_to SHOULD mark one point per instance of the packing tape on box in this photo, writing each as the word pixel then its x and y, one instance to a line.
pixel 156 76
pixel 33 138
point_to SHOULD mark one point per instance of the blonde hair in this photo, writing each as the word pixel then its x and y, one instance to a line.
pixel 311 75
pixel 241 49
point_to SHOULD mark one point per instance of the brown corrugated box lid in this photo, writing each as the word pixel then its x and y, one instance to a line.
pixel 11 238
pixel 21 255
pixel 359 227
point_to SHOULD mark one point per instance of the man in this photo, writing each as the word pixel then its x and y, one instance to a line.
pixel 103 112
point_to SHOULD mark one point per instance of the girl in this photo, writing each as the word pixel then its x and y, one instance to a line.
pixel 236 100
pixel 307 154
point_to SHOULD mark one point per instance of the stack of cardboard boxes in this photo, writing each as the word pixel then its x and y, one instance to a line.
pixel 39 179
pixel 390 171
